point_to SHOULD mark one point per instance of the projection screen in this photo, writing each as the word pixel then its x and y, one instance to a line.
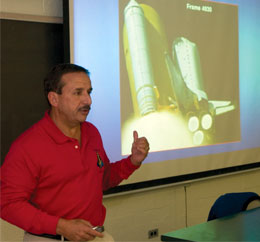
pixel 183 73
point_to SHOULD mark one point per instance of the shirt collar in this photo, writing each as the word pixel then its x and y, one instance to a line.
pixel 53 131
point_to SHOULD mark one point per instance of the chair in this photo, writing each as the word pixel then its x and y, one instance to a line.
pixel 232 203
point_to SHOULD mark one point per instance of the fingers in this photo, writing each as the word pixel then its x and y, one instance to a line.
pixel 143 145
pixel 87 223
pixel 77 230
pixel 92 232
pixel 140 148
pixel 135 134
pixel 140 141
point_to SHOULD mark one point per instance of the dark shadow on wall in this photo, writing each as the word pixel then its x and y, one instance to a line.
pixel 28 51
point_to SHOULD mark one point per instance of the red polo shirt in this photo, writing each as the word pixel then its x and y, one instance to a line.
pixel 47 175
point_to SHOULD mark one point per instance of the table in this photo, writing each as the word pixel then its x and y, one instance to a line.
pixel 243 226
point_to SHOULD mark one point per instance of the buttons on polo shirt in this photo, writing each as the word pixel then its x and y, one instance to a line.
pixel 76 146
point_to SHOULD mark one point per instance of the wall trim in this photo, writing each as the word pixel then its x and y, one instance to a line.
pixel 181 183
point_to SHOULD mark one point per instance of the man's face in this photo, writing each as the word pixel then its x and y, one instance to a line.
pixel 73 104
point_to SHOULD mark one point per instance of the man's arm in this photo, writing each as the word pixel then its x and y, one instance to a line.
pixel 18 182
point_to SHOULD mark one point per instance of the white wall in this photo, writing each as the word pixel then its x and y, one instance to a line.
pixel 33 7
pixel 32 10
pixel 130 216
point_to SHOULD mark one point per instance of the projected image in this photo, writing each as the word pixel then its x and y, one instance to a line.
pixel 179 77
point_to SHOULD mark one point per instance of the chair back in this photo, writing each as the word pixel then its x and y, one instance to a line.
pixel 231 203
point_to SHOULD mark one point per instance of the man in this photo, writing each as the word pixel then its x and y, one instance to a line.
pixel 54 173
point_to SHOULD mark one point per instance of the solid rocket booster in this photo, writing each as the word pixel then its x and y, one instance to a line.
pixel 140 58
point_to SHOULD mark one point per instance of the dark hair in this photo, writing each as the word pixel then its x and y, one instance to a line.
pixel 52 81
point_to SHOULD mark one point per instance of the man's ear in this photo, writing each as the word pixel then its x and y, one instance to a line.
pixel 53 98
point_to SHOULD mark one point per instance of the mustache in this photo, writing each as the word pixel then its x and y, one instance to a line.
pixel 85 108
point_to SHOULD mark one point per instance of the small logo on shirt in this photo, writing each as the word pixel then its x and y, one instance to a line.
pixel 100 163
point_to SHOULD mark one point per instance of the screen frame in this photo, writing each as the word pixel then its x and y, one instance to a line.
pixel 175 179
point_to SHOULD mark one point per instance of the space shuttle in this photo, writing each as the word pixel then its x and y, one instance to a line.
pixel 187 82
pixel 175 73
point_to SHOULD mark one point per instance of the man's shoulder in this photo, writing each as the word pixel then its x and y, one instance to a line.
pixel 32 134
